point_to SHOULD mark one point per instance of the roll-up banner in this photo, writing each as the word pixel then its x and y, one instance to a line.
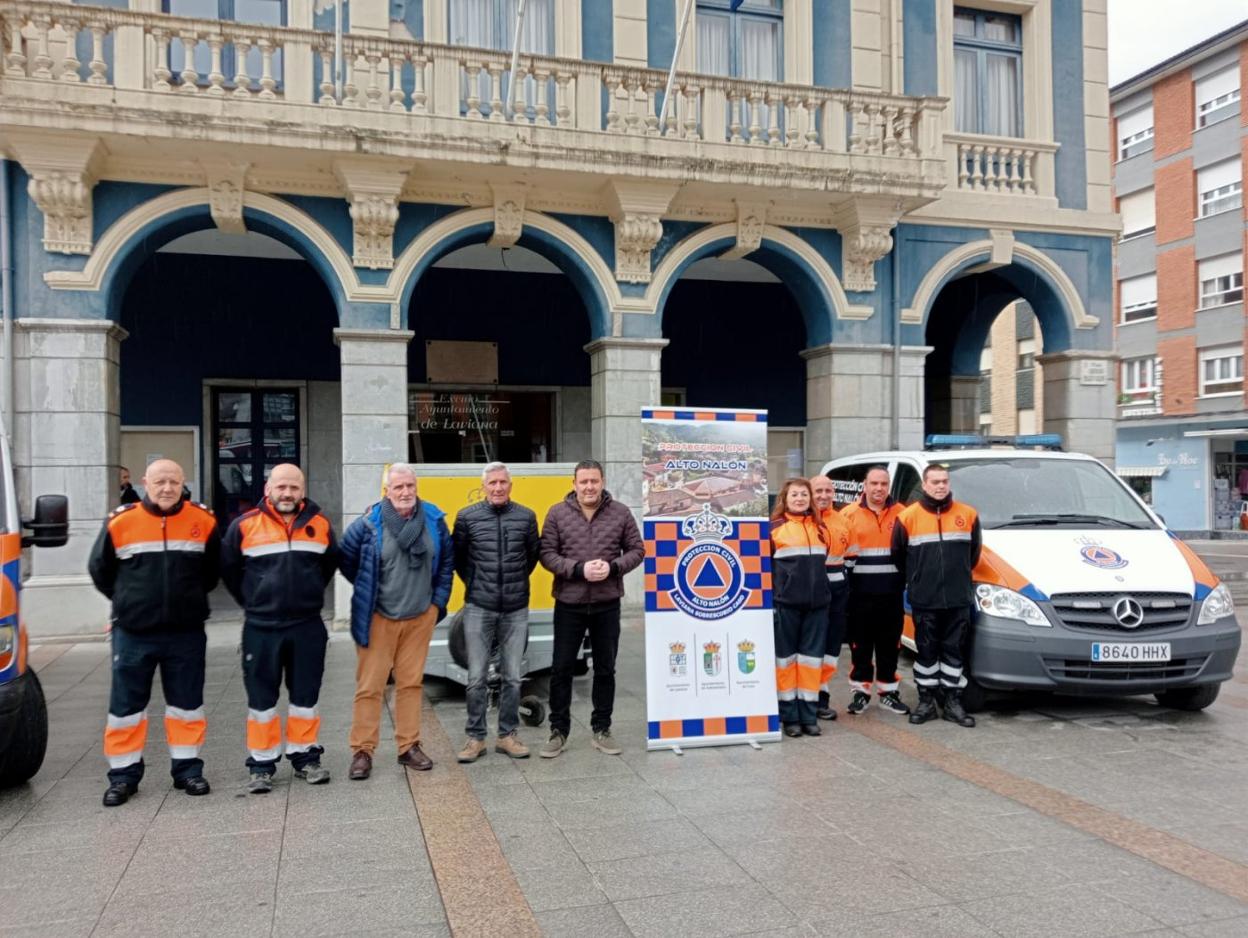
pixel 710 655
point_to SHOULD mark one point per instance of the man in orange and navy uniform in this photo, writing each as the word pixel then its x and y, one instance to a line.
pixel 157 560
pixel 876 612
pixel 824 493
pixel 936 542
pixel 276 561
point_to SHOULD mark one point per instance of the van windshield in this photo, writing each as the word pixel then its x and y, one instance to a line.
pixel 1024 493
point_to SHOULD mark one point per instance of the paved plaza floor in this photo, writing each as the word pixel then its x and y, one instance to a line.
pixel 1052 817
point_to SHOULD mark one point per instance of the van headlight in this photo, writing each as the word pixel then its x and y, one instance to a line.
pixel 1217 605
pixel 1008 604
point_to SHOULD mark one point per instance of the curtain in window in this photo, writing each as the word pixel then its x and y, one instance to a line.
pixel 491 24
pixel 472 23
pixel 965 99
pixel 538 33
pixel 714 43
pixel 1001 96
pixel 760 52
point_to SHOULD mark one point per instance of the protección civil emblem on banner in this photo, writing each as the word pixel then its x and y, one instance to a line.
pixel 708 579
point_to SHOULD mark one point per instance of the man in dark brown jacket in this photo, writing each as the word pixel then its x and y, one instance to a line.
pixel 589 541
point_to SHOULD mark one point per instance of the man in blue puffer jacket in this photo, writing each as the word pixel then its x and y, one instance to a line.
pixel 398 555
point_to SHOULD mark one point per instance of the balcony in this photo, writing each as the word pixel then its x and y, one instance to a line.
pixel 157 87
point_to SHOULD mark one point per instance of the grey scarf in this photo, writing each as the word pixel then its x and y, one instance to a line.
pixel 407 531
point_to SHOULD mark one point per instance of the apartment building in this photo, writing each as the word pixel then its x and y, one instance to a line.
pixel 238 241
pixel 1181 142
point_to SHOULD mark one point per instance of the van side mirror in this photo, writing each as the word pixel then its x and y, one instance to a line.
pixel 50 526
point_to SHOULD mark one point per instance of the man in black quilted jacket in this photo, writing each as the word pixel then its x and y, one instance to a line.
pixel 496 548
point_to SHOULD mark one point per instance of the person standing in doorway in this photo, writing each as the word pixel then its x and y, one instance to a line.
pixel 824 494
pixel 276 561
pixel 398 554
pixel 126 494
pixel 157 560
pixel 800 596
pixel 876 611
pixel 589 542
pixel 936 543
pixel 496 548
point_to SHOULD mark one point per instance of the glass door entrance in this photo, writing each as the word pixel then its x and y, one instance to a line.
pixel 254 431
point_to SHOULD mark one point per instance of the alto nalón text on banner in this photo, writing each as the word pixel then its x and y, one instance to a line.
pixel 710 655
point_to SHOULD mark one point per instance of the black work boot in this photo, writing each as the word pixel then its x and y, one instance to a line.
pixel 954 711
pixel 926 710
pixel 824 711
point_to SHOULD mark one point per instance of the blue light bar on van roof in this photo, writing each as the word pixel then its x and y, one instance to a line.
pixel 1046 440
pixel 957 440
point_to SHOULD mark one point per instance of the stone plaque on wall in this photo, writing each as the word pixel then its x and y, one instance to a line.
pixel 1093 371
pixel 461 362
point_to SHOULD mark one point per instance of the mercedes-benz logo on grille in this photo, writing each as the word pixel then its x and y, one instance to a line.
pixel 1128 612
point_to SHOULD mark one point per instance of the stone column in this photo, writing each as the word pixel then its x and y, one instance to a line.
pixel 625 377
pixel 67 439
pixel 374 422
pixel 1080 401
pixel 849 403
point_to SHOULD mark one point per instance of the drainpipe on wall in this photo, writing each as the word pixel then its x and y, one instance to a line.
pixel 895 388
pixel 6 299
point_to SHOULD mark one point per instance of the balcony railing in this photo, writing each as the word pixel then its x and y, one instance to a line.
pixel 77 44
pixel 1001 165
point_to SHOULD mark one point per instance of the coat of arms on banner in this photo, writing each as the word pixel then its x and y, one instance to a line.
pixel 712 662
pixel 710 583
pixel 678 661
pixel 745 657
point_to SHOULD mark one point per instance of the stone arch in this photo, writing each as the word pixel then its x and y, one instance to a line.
pixel 803 270
pixel 134 236
pixel 561 245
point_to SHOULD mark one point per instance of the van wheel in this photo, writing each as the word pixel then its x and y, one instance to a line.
pixel 30 737
pixel 974 696
pixel 1190 698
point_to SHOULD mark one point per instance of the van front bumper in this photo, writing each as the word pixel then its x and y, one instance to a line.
pixel 1009 655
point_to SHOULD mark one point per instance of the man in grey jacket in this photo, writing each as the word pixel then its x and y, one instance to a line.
pixel 496 548
pixel 589 541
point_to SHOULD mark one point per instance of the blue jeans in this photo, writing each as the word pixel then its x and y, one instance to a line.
pixel 482 628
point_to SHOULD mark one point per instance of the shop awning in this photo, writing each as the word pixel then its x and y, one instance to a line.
pixel 1140 472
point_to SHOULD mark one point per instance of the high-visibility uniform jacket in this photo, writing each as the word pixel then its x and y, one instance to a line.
pixel 936 545
pixel 839 541
pixel 157 566
pixel 798 562
pixel 277 571
pixel 870 559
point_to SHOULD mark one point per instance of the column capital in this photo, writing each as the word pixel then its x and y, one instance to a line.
pixel 373 335
pixel 865 224
pixel 373 188
pixel 49 324
pixel 63 169
pixel 608 343
pixel 1077 354
pixel 637 209
pixel 832 348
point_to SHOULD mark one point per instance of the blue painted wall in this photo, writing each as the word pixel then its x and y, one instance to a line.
pixel 1072 170
pixel 598 30
pixel 1181 496
pixel 661 32
pixel 831 44
pixel 919 43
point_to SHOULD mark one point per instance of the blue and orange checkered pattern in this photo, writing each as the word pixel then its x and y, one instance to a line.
pixel 729 416
pixel 713 726
pixel 750 541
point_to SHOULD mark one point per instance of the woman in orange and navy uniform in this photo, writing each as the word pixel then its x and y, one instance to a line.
pixel 157 560
pixel 276 561
pixel 800 594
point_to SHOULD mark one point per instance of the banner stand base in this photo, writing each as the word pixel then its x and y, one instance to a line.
pixel 680 744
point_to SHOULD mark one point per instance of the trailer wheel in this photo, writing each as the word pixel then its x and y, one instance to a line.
pixel 532 711
pixel 456 643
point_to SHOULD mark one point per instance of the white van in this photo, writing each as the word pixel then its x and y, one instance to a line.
pixel 1081 589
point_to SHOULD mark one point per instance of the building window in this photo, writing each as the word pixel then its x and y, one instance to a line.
pixel 1138 296
pixel 1139 214
pixel 1026 354
pixel 261 12
pixel 1221 187
pixel 988 73
pixel 491 24
pixel 1222 280
pixel 1135 133
pixel 745 43
pixel 1222 371
pixel 1139 375
pixel 1217 96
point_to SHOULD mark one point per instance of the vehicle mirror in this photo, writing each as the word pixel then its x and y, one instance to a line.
pixel 50 526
